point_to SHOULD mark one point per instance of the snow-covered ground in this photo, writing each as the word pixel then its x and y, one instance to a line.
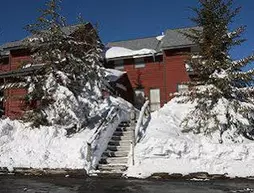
pixel 164 148
pixel 51 147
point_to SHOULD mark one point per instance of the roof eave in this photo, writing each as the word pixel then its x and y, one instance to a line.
pixel 14 48
pixel 177 47
pixel 134 56
pixel 20 72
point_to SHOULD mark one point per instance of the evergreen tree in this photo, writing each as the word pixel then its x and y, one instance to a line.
pixel 69 83
pixel 222 89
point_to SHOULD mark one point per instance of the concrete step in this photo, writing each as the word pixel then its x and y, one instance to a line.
pixel 124 129
pixel 119 142
pixel 123 133
pixel 114 160
pixel 115 154
pixel 117 160
pixel 112 167
pixel 125 123
pixel 118 148
pixel 119 138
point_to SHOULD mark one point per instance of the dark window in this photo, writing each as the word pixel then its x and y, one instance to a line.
pixel 4 61
pixel 139 63
pixel 119 64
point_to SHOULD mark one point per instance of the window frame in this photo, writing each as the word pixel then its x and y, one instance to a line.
pixel 119 64
pixel 139 62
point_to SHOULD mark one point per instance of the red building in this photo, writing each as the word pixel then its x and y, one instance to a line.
pixel 13 88
pixel 156 66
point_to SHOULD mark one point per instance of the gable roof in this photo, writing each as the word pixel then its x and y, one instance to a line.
pixel 172 38
pixel 137 44
pixel 68 30
pixel 14 44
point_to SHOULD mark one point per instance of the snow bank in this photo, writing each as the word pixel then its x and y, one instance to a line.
pixel 50 147
pixel 117 52
pixel 164 148
pixel 44 147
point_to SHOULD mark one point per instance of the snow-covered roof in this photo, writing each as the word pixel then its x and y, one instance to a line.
pixel 118 52
pixel 136 44
pixel 171 39
pixel 113 75
pixel 19 43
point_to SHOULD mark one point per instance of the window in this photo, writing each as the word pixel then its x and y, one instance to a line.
pixel 182 88
pixel 155 101
pixel 4 61
pixel 119 64
pixel 139 63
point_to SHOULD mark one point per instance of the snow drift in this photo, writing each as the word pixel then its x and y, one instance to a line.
pixel 51 146
pixel 165 148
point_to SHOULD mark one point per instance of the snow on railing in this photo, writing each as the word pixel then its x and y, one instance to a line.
pixel 106 127
pixel 98 132
pixel 143 120
pixel 144 117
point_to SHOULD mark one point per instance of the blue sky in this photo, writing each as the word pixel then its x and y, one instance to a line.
pixel 120 20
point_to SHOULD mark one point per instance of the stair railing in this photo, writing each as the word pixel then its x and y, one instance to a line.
pixel 112 113
pixel 142 122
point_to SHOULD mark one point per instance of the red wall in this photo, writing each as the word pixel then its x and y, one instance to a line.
pixel 175 70
pixel 14 103
pixel 18 57
pixel 151 75
pixel 165 73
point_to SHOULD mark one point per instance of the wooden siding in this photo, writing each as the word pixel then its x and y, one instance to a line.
pixel 163 72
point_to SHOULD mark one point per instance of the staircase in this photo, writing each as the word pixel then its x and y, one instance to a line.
pixel 115 158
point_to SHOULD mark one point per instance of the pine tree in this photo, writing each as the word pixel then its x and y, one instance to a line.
pixel 68 85
pixel 221 91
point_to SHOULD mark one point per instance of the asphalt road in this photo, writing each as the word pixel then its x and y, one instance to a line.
pixel 13 184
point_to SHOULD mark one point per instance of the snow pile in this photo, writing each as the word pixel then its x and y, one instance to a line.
pixel 112 75
pixel 159 38
pixel 44 147
pixel 117 52
pixel 66 107
pixel 51 146
pixel 165 148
